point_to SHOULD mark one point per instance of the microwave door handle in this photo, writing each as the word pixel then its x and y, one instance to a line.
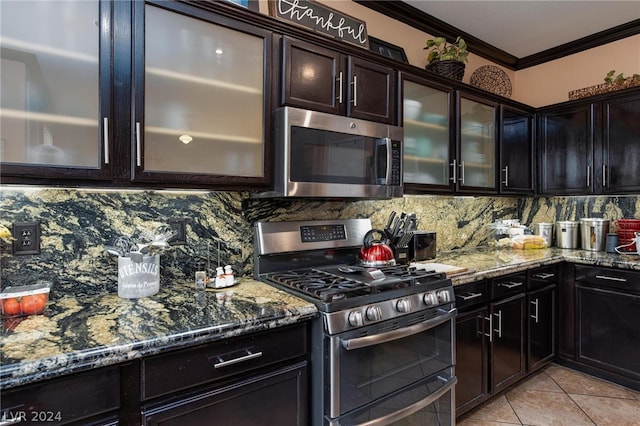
pixel 387 176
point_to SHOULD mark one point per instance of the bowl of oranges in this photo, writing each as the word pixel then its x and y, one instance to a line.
pixel 25 299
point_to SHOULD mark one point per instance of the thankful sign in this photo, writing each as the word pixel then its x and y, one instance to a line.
pixel 322 19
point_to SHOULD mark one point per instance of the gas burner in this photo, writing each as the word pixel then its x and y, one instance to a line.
pixel 320 284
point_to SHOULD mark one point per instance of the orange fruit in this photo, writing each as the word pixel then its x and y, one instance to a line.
pixel 33 304
pixel 11 306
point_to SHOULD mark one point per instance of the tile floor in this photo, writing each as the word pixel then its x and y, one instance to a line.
pixel 559 396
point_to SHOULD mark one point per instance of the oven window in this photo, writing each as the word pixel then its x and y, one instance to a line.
pixel 333 157
pixel 374 371
pixel 438 412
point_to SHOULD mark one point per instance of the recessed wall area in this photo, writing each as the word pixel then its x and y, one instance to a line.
pixel 77 223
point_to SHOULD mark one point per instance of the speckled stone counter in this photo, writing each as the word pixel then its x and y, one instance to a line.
pixel 75 334
pixel 483 263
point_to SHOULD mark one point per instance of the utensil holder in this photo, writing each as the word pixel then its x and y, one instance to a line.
pixel 138 279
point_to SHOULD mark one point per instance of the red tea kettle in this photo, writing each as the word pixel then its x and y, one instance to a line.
pixel 376 253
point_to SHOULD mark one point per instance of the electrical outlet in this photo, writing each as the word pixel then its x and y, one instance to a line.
pixel 179 225
pixel 27 238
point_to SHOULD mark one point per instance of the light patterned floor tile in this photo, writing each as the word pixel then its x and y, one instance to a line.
pixel 497 410
pixel 610 411
pixel 475 422
pixel 575 382
pixel 540 381
pixel 546 408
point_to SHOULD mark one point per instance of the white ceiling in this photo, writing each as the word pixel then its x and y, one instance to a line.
pixel 526 27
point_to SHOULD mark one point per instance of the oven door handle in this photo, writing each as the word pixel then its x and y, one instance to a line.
pixel 363 342
pixel 415 407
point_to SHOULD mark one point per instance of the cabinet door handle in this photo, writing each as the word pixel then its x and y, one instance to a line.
pixel 355 91
pixel 588 176
pixel 535 316
pixel 470 296
pixel 454 170
pixel 604 175
pixel 138 145
pixel 490 335
pixel 250 355
pixel 544 275
pixel 604 277
pixel 506 176
pixel 499 330
pixel 511 284
pixel 105 138
pixel 462 172
pixel 339 87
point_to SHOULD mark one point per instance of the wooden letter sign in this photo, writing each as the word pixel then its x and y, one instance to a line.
pixel 322 19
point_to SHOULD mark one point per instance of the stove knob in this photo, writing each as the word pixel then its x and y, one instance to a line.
pixel 355 319
pixel 443 296
pixel 374 313
pixel 403 305
pixel 430 299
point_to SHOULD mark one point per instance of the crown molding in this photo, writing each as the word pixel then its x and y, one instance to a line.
pixel 402 12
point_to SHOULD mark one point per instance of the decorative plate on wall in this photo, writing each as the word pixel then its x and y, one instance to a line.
pixel 492 79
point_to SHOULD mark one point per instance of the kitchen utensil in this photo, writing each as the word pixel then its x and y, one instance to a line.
pixel 376 252
pixel 567 234
pixel 388 228
pixel 113 250
pixel 545 230
pixel 593 233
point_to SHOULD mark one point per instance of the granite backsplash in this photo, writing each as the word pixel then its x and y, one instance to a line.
pixel 76 223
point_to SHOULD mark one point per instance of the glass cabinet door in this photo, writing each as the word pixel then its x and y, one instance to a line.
pixel 53 111
pixel 477 167
pixel 203 97
pixel 426 117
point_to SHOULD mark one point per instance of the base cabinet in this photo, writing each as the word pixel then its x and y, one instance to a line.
pixel 278 398
pixel 505 330
pixel 471 359
pixel 88 398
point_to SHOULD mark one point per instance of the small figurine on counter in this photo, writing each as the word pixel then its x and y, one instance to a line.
pixel 228 276
pixel 220 278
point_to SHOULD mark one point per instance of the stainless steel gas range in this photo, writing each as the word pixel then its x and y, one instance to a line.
pixel 383 345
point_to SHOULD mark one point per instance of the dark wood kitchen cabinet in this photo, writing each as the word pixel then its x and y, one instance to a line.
pixel 474 166
pixel 605 330
pixel 253 380
pixel 57 116
pixel 472 350
pixel 164 93
pixel 517 158
pixel 507 331
pixel 200 107
pixel 590 146
pixel 87 398
pixel 541 317
pixel 325 80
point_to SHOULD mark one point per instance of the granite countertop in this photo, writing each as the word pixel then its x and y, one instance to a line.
pixel 483 263
pixel 80 333
pixel 75 334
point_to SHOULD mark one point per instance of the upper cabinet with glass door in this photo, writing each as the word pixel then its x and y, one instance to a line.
pixel 55 91
pixel 427 134
pixel 476 163
pixel 199 96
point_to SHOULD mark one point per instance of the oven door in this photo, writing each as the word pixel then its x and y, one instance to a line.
pixel 428 402
pixel 375 362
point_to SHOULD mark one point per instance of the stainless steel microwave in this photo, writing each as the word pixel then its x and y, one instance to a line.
pixel 327 155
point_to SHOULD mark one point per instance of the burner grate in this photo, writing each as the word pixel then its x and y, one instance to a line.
pixel 321 284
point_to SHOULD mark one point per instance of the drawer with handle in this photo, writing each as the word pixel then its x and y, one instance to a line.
pixel 543 276
pixel 182 369
pixel 472 294
pixel 508 285
pixel 619 279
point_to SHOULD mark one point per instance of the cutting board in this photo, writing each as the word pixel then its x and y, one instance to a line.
pixel 449 270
